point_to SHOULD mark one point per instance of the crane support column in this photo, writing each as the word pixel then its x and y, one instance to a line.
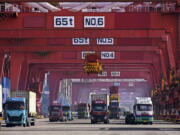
pixel 15 70
pixel 179 42
pixel 1 65
pixel 167 38
pixel 23 76
pixel 163 66
pixel 54 79
pixel 41 77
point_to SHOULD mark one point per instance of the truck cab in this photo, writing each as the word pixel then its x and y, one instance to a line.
pixel 143 110
pixel 56 113
pixel 114 110
pixel 99 112
pixel 83 111
pixel 67 111
pixel 15 111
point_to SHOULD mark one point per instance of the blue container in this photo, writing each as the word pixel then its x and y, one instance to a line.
pixel 45 100
pixel 6 88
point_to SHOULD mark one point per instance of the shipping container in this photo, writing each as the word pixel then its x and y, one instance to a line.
pixel 113 90
pixel 103 97
pixel 5 89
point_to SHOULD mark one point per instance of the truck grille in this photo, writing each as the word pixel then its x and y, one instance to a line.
pixel 99 116
pixel 15 118
pixel 145 118
pixel 55 113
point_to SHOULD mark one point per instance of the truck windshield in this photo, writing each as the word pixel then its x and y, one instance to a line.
pixel 55 108
pixel 15 105
pixel 144 107
pixel 114 109
pixel 98 107
pixel 114 104
pixel 66 108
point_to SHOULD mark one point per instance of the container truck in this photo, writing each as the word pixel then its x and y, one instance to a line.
pixel 114 103
pixel 20 108
pixel 67 111
pixel 56 113
pixel 99 108
pixel 1 105
pixel 143 110
pixel 83 111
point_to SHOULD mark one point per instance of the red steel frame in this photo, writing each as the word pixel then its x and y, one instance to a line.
pixel 90 0
pixel 22 40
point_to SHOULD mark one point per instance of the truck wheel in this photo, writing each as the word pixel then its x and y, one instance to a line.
pixel 8 125
pixel 92 122
pixel 24 125
pixel 150 123
pixel 106 122
pixel 126 122
pixel 50 120
pixel 32 123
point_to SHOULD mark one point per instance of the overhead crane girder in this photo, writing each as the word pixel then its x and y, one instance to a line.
pixel 21 35
pixel 64 64
pixel 89 0
pixel 71 33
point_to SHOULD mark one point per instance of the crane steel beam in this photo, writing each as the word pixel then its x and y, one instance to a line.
pixel 89 0
pixel 79 33
pixel 76 48
pixel 2 60
pixel 103 61
pixel 107 65
pixel 124 74
pixel 106 70
pixel 163 66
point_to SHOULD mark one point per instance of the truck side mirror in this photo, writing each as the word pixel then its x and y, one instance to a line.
pixel 4 106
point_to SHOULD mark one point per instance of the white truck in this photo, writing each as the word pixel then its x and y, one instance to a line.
pixel 143 110
pixel 20 108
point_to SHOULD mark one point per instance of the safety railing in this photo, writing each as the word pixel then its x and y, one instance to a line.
pixel 17 8
pixel 161 7
pixel 152 8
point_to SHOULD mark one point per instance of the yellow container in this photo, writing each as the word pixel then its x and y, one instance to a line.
pixel 114 96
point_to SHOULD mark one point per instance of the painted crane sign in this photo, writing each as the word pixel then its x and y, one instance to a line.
pixel 92 64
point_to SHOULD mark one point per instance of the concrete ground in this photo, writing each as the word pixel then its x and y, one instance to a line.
pixel 83 127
